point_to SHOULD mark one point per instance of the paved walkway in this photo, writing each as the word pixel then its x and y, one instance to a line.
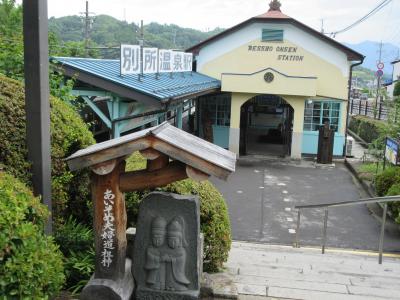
pixel 261 196
pixel 285 272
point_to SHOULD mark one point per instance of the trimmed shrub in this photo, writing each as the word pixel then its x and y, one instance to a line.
pixel 366 128
pixel 395 206
pixel 385 180
pixel 70 191
pixel 214 219
pixel 30 263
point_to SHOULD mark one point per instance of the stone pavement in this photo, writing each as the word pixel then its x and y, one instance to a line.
pixel 261 196
pixel 282 272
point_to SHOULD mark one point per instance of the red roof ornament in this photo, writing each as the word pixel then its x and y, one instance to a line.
pixel 275 5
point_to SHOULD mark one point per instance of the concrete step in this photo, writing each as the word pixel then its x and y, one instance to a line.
pixel 282 272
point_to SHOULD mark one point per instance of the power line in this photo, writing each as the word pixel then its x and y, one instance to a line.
pixel 359 21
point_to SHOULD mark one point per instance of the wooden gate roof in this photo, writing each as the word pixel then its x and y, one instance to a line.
pixel 167 139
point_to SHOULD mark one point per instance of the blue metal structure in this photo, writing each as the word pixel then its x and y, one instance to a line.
pixel 132 95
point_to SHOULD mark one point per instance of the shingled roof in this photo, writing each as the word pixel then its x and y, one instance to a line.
pixel 167 139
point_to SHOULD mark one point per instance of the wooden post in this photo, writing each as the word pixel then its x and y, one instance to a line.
pixel 352 106
pixel 109 225
pixel 37 106
pixel 112 277
pixel 366 108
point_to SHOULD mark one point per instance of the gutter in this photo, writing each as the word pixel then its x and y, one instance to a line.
pixel 348 103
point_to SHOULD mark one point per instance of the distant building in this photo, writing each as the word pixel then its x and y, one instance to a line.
pixel 395 77
pixel 280 81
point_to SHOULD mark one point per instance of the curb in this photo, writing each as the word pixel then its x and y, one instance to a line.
pixel 364 185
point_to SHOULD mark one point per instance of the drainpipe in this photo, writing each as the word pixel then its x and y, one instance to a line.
pixel 348 103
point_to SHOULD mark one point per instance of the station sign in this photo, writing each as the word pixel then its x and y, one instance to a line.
pixel 392 151
pixel 137 60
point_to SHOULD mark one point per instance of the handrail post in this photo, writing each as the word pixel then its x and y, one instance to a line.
pixel 324 231
pixel 382 233
pixel 297 230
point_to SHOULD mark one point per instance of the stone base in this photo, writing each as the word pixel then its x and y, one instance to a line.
pixel 107 289
pixel 218 286
pixel 148 294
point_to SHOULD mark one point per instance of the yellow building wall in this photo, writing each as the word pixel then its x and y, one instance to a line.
pixel 293 60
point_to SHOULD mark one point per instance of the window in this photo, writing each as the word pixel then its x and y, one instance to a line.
pixel 317 112
pixel 272 35
pixel 218 108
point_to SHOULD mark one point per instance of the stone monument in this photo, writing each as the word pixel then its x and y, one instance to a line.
pixel 167 252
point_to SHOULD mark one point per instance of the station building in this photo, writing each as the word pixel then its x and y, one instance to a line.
pixel 280 81
pixel 264 86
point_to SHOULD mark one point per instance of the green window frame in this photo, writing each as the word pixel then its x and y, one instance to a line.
pixel 317 112
pixel 272 35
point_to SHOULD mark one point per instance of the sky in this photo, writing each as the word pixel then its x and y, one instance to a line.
pixel 208 14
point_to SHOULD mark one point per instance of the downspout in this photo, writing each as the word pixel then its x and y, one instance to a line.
pixel 348 103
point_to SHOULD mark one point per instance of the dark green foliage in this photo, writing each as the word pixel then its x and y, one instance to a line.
pixel 77 244
pixel 30 262
pixel 68 134
pixel 11 42
pixel 386 179
pixel 396 91
pixel 108 31
pixel 395 206
pixel 368 129
pixel 214 217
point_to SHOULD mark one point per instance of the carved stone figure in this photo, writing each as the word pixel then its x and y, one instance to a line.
pixel 167 254
pixel 175 257
pixel 154 266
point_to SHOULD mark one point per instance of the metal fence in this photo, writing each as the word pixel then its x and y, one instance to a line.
pixel 379 111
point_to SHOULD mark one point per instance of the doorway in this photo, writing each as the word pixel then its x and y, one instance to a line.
pixel 266 123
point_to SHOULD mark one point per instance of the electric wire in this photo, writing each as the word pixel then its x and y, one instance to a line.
pixel 364 18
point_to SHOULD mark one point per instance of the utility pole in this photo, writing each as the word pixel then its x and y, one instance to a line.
pixel 378 85
pixel 322 26
pixel 141 44
pixel 88 24
pixel 37 105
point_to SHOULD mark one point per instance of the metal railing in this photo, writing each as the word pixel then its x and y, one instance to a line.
pixel 384 200
pixel 380 110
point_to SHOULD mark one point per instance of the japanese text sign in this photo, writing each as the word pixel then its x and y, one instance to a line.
pixel 153 60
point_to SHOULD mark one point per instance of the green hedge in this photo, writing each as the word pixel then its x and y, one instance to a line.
pixel 385 180
pixel 368 129
pixel 31 264
pixel 214 217
pixel 387 183
pixel 395 207
pixel 68 134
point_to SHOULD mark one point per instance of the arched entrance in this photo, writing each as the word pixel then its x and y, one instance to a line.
pixel 266 124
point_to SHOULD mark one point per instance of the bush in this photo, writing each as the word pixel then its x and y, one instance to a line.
pixel 386 179
pixel 395 206
pixel 30 262
pixel 70 191
pixel 214 219
pixel 368 129
pixel 77 244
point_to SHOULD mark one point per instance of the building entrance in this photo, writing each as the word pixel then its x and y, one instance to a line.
pixel 266 123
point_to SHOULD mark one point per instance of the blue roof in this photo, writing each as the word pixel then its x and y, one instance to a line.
pixel 165 87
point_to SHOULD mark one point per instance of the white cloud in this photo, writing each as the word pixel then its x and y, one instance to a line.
pixel 208 14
